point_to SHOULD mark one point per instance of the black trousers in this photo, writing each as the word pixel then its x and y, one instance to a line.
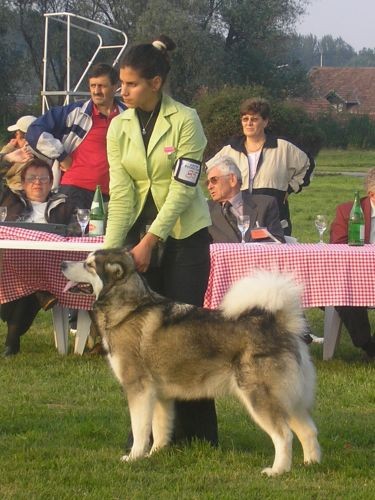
pixel 357 323
pixel 19 315
pixel 183 276
pixel 79 197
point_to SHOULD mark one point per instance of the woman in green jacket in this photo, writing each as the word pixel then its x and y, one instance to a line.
pixel 155 151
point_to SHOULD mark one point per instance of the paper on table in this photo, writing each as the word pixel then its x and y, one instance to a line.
pixel 260 233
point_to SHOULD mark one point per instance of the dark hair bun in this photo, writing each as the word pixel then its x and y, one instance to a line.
pixel 164 43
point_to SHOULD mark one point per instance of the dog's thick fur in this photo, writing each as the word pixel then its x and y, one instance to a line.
pixel 161 350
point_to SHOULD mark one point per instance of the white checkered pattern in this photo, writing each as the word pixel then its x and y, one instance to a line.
pixel 23 272
pixel 330 274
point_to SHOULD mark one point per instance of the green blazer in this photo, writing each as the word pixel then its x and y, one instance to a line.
pixel 182 209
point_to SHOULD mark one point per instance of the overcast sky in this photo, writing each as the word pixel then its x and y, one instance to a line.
pixel 352 20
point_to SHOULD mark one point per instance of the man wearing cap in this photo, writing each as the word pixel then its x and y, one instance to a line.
pixel 75 135
pixel 12 174
pixel 20 129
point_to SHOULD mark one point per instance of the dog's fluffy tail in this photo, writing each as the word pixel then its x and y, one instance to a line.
pixel 272 291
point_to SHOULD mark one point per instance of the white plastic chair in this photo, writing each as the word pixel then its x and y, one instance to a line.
pixel 290 239
pixel 332 332
pixel 61 329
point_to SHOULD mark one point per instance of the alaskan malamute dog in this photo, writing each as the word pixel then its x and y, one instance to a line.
pixel 161 350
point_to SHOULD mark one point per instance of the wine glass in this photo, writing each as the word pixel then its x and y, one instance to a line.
pixel 321 226
pixel 243 223
pixel 3 213
pixel 83 216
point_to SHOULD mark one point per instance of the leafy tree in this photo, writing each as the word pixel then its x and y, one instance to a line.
pixel 364 58
pixel 336 52
pixel 328 51
pixel 237 41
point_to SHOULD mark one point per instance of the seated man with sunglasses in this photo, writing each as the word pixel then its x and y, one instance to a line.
pixel 34 203
pixel 228 202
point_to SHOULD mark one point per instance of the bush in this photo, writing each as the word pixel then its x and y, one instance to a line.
pixel 334 131
pixel 361 132
pixel 347 130
pixel 295 125
pixel 219 112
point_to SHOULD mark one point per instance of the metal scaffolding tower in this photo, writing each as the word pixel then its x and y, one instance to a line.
pixel 93 29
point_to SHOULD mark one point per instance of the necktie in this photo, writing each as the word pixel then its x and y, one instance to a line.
pixel 231 218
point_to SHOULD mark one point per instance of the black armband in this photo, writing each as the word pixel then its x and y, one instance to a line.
pixel 187 171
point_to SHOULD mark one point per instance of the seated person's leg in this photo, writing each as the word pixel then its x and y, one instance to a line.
pixel 19 315
pixel 357 323
pixel 46 299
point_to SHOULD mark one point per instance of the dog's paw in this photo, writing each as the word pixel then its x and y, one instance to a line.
pixel 271 472
pixel 133 456
pixel 312 460
pixel 313 457
pixel 156 449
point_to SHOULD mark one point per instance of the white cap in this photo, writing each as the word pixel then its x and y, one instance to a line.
pixel 22 123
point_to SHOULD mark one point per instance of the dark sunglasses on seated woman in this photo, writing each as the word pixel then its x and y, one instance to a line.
pixel 43 179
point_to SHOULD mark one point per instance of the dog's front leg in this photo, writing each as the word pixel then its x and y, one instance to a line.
pixel 141 406
pixel 162 423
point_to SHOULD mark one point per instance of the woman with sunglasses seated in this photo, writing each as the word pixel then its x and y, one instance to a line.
pixel 34 203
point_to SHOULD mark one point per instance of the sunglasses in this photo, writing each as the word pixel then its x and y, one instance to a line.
pixel 214 180
pixel 249 119
pixel 31 179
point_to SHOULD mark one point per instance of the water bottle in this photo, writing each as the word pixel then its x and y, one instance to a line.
pixel 97 214
pixel 356 226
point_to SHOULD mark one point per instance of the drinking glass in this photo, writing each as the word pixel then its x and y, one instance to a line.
pixel 243 223
pixel 3 213
pixel 321 226
pixel 83 216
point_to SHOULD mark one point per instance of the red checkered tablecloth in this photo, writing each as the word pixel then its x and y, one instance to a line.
pixel 25 271
pixel 330 274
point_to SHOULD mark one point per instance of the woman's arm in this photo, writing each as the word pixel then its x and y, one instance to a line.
pixel 191 144
pixel 20 155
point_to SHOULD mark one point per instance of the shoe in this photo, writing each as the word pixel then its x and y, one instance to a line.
pixel 317 340
pixel 307 338
pixel 10 351
pixel 369 348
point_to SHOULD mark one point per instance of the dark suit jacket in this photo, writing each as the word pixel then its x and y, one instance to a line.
pixel 339 227
pixel 261 208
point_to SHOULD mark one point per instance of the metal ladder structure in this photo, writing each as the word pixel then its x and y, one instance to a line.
pixel 92 28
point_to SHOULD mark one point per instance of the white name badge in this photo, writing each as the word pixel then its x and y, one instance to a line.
pixel 187 171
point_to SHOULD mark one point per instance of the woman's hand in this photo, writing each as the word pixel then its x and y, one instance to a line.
pixel 20 155
pixel 142 252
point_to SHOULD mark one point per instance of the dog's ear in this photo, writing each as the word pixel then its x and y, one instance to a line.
pixel 115 269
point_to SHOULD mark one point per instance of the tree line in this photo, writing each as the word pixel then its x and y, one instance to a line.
pixel 221 44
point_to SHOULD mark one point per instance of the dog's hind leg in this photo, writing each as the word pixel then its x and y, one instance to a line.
pixel 141 406
pixel 162 423
pixel 270 417
pixel 303 426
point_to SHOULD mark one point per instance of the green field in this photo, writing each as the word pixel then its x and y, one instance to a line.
pixel 63 420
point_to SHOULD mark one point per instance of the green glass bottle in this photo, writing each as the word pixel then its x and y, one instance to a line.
pixel 356 225
pixel 97 214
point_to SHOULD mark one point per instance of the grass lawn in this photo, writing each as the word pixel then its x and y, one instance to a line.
pixel 63 420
